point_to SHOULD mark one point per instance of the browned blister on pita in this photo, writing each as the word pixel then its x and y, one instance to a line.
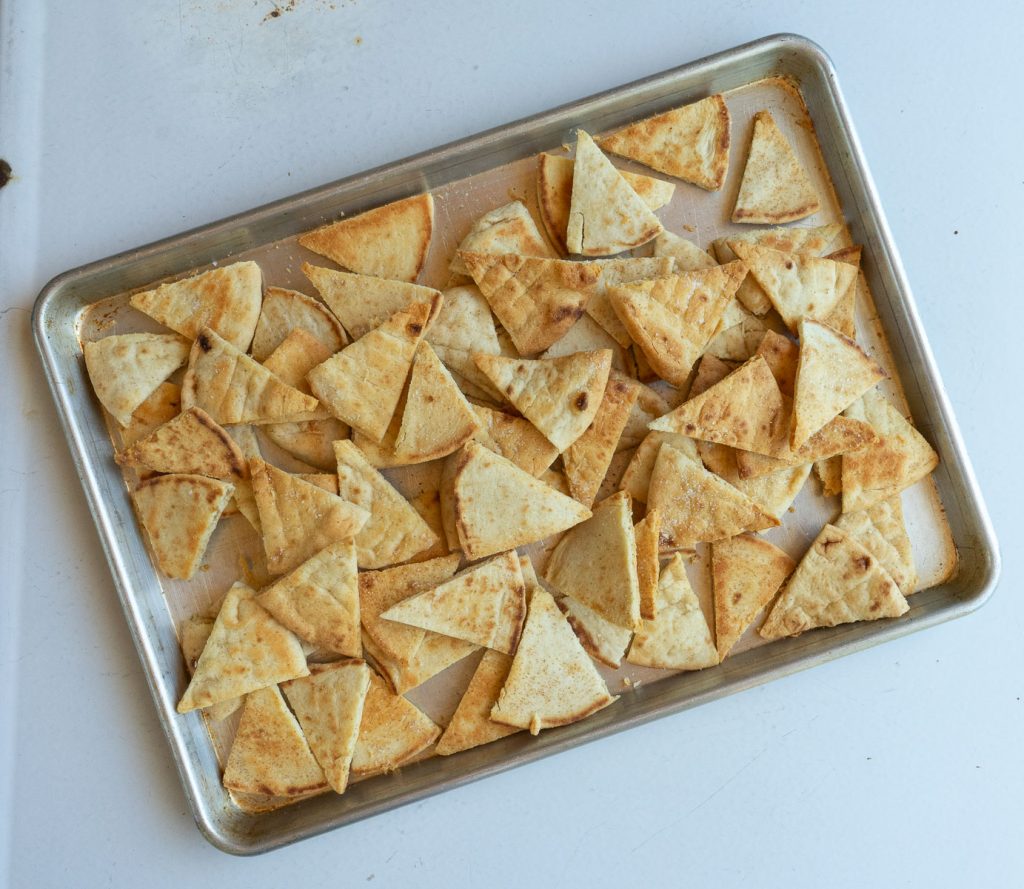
pixel 507 229
pixel 471 725
pixel 191 443
pixel 285 311
pixel 391 733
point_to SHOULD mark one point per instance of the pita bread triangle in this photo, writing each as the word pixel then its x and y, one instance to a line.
pixel 179 513
pixel 270 754
pixel 690 143
pixel 499 507
pixel 637 477
pixel 679 637
pixel 233 388
pixel 832 374
pixel 507 229
pixel 881 531
pixel 697 505
pixel 485 605
pixel 600 638
pixel 783 357
pixel 686 256
pixel 471 725
pixel 285 311
pixel 247 650
pixel 774 187
pixel 387 242
pixel 648 406
pixel 125 370
pixel 361 384
pixel 193 635
pixel 319 600
pixel 747 573
pixel 465 326
pixel 329 706
pixel 162 404
pixel 596 563
pixel 298 519
pixel 391 733
pixel 838 581
pixel 227 300
pixel 615 272
pixel 798 285
pixel 900 458
pixel 514 439
pixel 844 316
pixel 648 566
pixel 190 443
pixel 552 680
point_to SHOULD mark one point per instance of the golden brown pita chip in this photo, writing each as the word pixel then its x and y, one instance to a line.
pixel 686 256
pixel 648 567
pixel 227 300
pixel 125 370
pixel 774 492
pixel 391 733
pixel 386 242
pixel 285 311
pixel 193 635
pixel 881 531
pixel 690 143
pixel 508 229
pixel 775 187
pixel 747 573
pixel 161 406
pixel 783 357
pixel 637 477
pixel 499 507
pixel 191 443
pixel 586 335
pixel 514 439
pixel 615 272
pixel 649 405
pixel 471 724
pixel 838 581
pixel 830 474
pixel 295 356
pixel 428 504
pixel 600 638
pixel 463 327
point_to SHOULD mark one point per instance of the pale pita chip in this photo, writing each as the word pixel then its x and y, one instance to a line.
pixel 394 532
pixel 498 506
pixel 514 439
pixel 536 300
pixel 690 143
pixel 679 637
pixel 600 638
pixel 247 650
pixel 606 216
pixel 270 754
pixel 381 454
pixel 193 635
pixel 319 600
pixel 586 335
pixel 125 370
pixel 162 405
pixel 179 513
pixel 783 357
pixel 649 405
pixel 636 480
pixel 285 311
pixel 463 327
pixel 471 725
pixel 596 564
pixel 881 531
pixel 386 242
pixel 507 229
pixel 648 566
pixel 686 256
pixel 227 300
pixel 552 681
pixel 391 733
pixel 191 443
pixel 560 396
pixel 615 272
pixel 746 572
pixel 774 188
pixel 838 581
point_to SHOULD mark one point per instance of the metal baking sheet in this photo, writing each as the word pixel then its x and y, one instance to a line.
pixel 953 540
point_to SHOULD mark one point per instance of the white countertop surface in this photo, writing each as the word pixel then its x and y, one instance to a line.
pixel 129 121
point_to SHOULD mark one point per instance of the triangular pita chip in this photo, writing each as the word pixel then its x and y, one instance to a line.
pixel 615 272
pixel 295 356
pixel 600 638
pixel 637 477
pixel 125 370
pixel 428 505
pixel 552 681
pixel 783 357
pixel 247 650
pixel 227 300
pixel 838 581
pixel 386 242
pixel 311 441
pixel 499 507
pixel 690 143
pixel 361 384
pixel 463 327
pixel 648 566
pixel 595 563
pixel 832 374
pixel 319 600
pixel 190 443
pixel 507 229
pixel 285 311
pixel 179 513
pixel 586 335
pixel 739 340
pixel 775 187
pixel 774 492
pixel 391 733
pixel 649 405
pixel 298 519
pixel 471 724
pixel 686 256
pixel 679 637
pixel 900 458
pixel 193 635
pixel 162 405
pixel 881 531
pixel 747 573
pixel 560 396
pixel 514 439
pixel 844 316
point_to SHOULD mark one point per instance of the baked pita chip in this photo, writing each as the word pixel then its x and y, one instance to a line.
pixel 193 635
pixel 285 311
pixel 690 143
pixel 586 335
pixel 508 229
pixel 179 513
pixel 596 563
pixel 649 405
pixel 898 459
pixel 270 754
pixel 552 681
pixel 648 566
pixel 600 638
pixel 191 443
pixel 514 439
pixel 161 406
pixel 560 396
pixel 747 573
pixel 387 242
pixel 125 370
pixel 838 581
pixel 319 600
pixel 881 531
pixel 247 650
pixel 394 532
pixel 844 316
pixel 774 188
pixel 679 638
pixel 606 216
pixel 536 300
pixel 686 256
pixel 498 506
pixel 428 504
pixel 774 492
pixel 636 480
pixel 311 441
pixel 463 327
pixel 361 385
pixel 832 374
pixel 227 300
pixel 391 733
pixel 739 341
pixel 298 519
pixel 783 357
pixel 615 272
pixel 471 725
